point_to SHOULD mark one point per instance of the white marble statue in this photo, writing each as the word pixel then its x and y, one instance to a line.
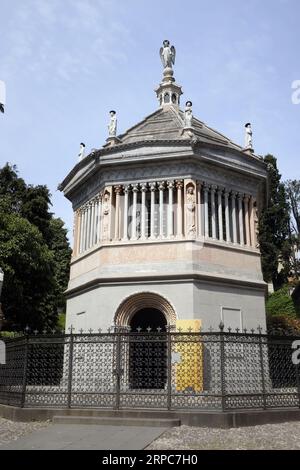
pixel 188 114
pixel 248 136
pixel 81 152
pixel 106 210
pixel 191 211
pixel 112 127
pixel 167 54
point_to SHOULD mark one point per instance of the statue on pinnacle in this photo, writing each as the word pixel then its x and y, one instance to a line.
pixel 167 54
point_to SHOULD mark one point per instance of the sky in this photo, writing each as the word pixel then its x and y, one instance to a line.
pixel 66 63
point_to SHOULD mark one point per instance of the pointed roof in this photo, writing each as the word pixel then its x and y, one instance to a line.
pixel 167 123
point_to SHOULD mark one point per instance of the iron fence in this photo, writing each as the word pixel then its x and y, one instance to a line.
pixel 145 369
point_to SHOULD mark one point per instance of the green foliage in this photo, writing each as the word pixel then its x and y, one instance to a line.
pixel 281 303
pixel 283 325
pixel 61 321
pixel 34 254
pixel 274 230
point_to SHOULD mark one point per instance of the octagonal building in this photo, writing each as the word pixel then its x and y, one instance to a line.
pixel 165 224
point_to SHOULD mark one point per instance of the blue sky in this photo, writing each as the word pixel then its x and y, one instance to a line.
pixel 66 63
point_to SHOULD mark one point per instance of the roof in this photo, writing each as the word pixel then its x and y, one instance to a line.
pixel 167 124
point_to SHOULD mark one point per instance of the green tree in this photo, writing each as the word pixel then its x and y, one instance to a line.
pixel 281 303
pixel 34 253
pixel 28 265
pixel 274 230
pixel 292 188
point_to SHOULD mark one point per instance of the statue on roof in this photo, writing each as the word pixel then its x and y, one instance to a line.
pixel 112 127
pixel 167 54
pixel 248 136
pixel 188 115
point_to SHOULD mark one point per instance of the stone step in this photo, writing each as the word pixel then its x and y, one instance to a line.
pixel 116 421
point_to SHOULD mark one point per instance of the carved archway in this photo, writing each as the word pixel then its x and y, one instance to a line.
pixel 142 300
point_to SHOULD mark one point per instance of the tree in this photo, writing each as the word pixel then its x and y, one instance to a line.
pixel 29 266
pixel 281 303
pixel 34 253
pixel 292 188
pixel 274 232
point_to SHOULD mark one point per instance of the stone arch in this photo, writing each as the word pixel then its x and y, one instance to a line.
pixel 135 302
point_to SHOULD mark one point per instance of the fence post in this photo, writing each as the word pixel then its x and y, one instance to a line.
pixel 169 369
pixel 118 366
pixel 24 381
pixel 263 384
pixel 223 365
pixel 70 375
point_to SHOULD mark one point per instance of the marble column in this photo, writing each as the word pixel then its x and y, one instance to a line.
pixel 213 210
pixel 220 214
pixel 118 190
pixel 89 217
pixel 92 237
pixel 233 213
pixel 161 187
pixel 99 218
pixel 227 225
pixel 81 230
pixel 206 222
pixel 152 210
pixel 170 209
pixel 252 222
pixel 179 186
pixel 126 189
pixel 135 188
pixel 199 211
pixel 144 189
pixel 75 232
pixel 247 221
pixel 241 219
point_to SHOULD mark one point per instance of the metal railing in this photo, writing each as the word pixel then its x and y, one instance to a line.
pixel 151 370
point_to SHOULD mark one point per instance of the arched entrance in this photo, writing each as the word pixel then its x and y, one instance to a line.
pixel 147 314
pixel 148 350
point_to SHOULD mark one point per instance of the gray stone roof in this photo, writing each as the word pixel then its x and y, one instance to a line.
pixel 167 124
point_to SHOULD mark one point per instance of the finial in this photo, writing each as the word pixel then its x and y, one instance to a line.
pixel 81 151
pixel 248 137
pixel 168 92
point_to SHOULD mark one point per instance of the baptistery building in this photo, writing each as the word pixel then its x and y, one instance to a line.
pixel 165 223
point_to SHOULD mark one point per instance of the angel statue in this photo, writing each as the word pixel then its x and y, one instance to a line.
pixel 112 127
pixel 167 54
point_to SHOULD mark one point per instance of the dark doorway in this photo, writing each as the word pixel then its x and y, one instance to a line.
pixel 148 350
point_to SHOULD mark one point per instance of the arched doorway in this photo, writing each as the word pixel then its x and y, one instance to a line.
pixel 148 350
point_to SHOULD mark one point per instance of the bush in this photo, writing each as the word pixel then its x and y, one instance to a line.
pixel 281 303
pixel 283 325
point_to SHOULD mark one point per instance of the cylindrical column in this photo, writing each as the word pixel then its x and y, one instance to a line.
pixel 179 186
pixel 206 223
pixel 92 236
pixel 252 222
pixel 84 228
pixel 247 221
pixel 161 188
pixel 134 209
pixel 144 188
pixel 81 230
pixel 170 209
pixel 99 218
pixel 241 219
pixel 199 211
pixel 220 214
pixel 234 221
pixel 213 210
pixel 76 232
pixel 125 222
pixel 152 209
pixel 88 231
pixel 118 190
pixel 227 226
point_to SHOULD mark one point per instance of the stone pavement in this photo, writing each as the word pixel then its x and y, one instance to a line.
pixel 86 437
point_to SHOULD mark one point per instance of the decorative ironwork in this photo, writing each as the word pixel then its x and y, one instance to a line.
pixel 159 369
